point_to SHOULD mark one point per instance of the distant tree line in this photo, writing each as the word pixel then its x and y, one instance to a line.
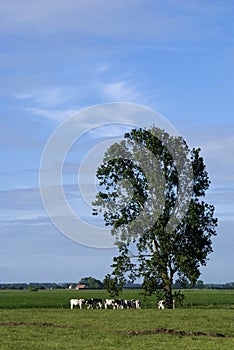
pixel 33 286
pixel 93 283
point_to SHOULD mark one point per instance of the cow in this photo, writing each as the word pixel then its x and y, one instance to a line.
pixel 122 303
pixel 109 302
pixel 94 303
pixel 128 304
pixel 77 302
pixel 136 304
pixel 161 304
pixel 115 303
pixel 118 304
pixel 131 304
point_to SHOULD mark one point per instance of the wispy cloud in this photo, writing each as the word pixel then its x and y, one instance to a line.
pixel 54 103
pixel 49 102
pixel 57 115
pixel 120 91
pixel 47 96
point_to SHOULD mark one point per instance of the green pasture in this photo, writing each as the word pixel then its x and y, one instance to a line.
pixel 43 320
pixel 60 298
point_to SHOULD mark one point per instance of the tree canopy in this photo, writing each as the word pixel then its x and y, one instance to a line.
pixel 152 196
pixel 91 282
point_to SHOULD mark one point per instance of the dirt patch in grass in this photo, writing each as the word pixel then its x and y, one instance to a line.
pixel 44 324
pixel 174 332
pixel 141 332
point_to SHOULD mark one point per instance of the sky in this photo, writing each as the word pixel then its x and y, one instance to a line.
pixel 58 58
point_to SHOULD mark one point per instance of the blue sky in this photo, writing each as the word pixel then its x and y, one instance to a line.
pixel 59 57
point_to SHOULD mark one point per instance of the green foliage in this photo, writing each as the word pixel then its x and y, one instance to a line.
pixel 147 181
pixel 112 285
pixel 179 298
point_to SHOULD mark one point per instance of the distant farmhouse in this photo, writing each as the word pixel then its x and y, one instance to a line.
pixel 77 286
pixel 80 286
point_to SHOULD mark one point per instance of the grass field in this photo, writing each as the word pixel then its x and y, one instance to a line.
pixel 43 320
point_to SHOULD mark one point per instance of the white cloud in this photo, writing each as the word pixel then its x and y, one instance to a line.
pixel 47 96
pixel 120 91
pixel 47 102
pixel 51 102
pixel 57 115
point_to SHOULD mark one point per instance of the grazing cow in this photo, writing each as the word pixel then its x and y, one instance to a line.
pixel 128 304
pixel 118 304
pixel 94 303
pixel 161 304
pixel 109 302
pixel 77 302
pixel 114 303
pixel 136 304
pixel 123 304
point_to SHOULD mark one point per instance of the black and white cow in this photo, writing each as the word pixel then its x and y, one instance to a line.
pixel 118 304
pixel 123 303
pixel 77 302
pixel 112 303
pixel 127 304
pixel 109 302
pixel 161 304
pixel 136 304
pixel 94 303
pixel 132 304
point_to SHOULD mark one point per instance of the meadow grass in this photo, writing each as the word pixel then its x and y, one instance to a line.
pixel 60 298
pixel 48 323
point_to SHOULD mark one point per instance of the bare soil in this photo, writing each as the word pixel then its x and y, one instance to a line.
pixel 35 324
pixel 174 332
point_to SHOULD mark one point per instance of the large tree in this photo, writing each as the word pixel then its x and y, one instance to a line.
pixel 152 189
pixel 91 282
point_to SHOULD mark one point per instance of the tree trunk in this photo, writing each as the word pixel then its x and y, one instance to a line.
pixel 168 294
